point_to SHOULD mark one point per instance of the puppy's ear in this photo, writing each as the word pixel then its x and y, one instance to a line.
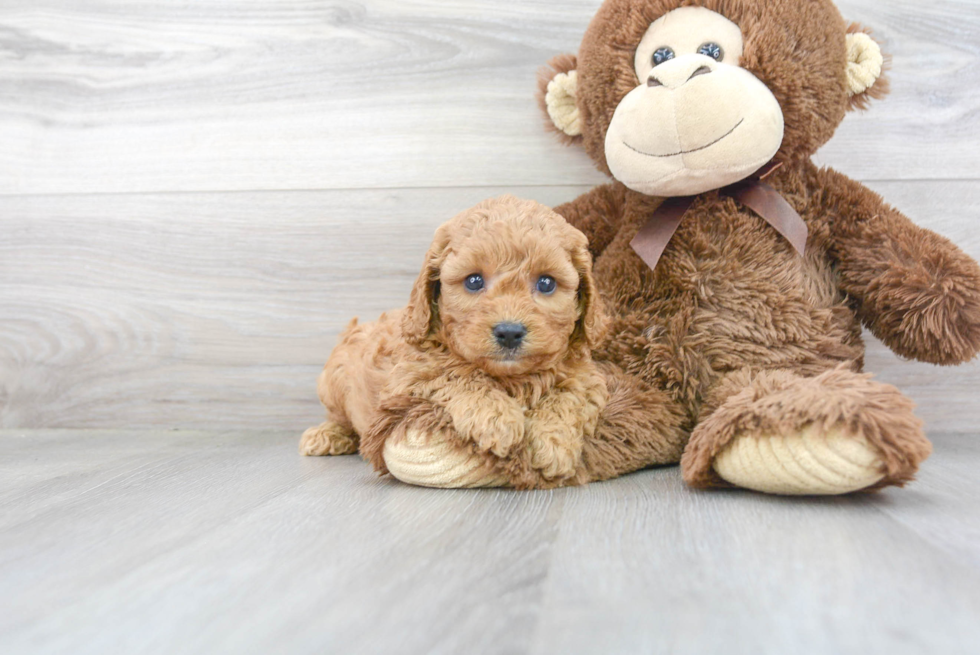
pixel 593 323
pixel 422 314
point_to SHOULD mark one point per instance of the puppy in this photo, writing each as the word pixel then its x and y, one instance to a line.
pixel 486 377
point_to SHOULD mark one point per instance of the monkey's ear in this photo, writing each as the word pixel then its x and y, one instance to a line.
pixel 557 96
pixel 866 66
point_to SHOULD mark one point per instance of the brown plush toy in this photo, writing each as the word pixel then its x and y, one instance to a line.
pixel 740 299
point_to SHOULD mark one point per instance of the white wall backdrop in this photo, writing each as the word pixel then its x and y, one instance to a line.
pixel 196 197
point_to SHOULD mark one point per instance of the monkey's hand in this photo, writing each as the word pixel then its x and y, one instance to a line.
pixel 927 308
pixel 915 290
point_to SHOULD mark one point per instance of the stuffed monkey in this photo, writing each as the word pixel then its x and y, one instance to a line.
pixel 738 273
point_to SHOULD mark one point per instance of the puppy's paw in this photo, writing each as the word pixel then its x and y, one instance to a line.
pixel 328 439
pixel 556 450
pixel 494 429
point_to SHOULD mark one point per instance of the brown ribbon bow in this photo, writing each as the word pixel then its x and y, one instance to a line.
pixel 755 194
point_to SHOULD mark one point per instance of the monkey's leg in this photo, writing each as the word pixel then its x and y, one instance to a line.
pixel 328 438
pixel 640 427
pixel 414 440
pixel 438 459
pixel 779 433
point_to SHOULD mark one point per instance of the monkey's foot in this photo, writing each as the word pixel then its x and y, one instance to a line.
pixel 836 433
pixel 328 439
pixel 432 460
pixel 809 463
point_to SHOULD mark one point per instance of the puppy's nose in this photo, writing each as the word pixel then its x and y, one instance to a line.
pixel 509 335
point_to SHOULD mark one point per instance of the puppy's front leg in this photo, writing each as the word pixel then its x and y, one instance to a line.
pixel 490 418
pixel 558 426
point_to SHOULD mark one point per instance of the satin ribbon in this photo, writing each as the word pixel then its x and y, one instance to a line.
pixel 651 241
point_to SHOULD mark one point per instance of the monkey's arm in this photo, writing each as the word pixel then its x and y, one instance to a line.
pixel 914 289
pixel 597 214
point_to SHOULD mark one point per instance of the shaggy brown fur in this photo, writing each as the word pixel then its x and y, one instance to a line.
pixel 734 330
pixel 435 366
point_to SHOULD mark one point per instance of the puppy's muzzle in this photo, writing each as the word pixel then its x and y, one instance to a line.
pixel 509 335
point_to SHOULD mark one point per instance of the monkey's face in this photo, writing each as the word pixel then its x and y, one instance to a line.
pixel 696 120
pixel 679 97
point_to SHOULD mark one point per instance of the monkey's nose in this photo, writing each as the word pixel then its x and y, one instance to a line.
pixel 676 73
pixel 509 335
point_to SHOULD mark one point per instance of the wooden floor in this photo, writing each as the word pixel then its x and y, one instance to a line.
pixel 167 542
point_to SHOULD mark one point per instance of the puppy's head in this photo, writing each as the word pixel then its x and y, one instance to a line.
pixel 507 286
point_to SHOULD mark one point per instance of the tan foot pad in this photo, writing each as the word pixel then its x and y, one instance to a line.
pixel 427 460
pixel 813 462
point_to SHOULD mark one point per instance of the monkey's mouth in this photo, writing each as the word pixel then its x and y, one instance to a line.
pixel 687 152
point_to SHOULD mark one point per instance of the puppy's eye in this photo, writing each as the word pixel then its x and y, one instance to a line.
pixel 547 285
pixel 474 283
pixel 662 55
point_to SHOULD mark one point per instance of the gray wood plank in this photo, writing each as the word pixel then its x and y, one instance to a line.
pixel 942 507
pixel 682 572
pixel 41 469
pixel 211 553
pixel 217 311
pixel 165 500
pixel 245 547
pixel 144 96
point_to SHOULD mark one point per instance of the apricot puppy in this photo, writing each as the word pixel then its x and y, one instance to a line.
pixel 486 377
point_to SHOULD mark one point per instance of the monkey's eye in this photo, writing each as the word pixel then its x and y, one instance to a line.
pixel 712 50
pixel 662 55
pixel 547 285
pixel 474 283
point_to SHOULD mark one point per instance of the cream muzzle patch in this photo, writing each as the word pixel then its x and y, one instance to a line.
pixel 697 120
